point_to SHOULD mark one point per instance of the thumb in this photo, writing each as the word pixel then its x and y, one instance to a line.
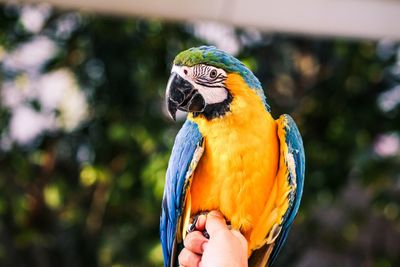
pixel 241 239
pixel 215 222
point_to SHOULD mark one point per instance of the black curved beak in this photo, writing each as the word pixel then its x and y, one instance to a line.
pixel 182 95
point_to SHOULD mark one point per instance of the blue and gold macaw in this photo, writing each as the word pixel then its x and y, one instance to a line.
pixel 230 155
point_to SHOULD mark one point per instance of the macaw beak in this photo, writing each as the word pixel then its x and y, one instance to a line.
pixel 182 95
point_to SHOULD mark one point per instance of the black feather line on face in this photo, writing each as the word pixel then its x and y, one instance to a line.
pixel 212 111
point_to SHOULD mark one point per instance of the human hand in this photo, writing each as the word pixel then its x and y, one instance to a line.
pixel 224 248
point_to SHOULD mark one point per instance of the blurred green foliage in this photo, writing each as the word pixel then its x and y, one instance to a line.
pixel 90 195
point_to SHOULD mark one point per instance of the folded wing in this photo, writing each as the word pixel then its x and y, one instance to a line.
pixel 185 155
pixel 291 172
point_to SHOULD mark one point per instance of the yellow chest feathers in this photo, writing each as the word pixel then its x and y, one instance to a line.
pixel 240 162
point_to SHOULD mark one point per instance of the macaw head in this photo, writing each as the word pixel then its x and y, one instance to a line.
pixel 198 82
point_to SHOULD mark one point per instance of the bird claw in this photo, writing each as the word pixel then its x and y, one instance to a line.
pixel 205 234
pixel 192 227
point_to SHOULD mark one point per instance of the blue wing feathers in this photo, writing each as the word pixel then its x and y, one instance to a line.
pixel 295 147
pixel 182 154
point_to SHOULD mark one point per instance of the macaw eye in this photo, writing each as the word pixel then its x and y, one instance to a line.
pixel 185 71
pixel 213 74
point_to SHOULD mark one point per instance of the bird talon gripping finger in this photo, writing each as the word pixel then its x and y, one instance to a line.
pixel 205 234
pixel 230 155
pixel 192 226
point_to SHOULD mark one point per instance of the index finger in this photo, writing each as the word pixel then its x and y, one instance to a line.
pixel 215 222
pixel 201 222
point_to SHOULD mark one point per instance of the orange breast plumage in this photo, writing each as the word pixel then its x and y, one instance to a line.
pixel 237 172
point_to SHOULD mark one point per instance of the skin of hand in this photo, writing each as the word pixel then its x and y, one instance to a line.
pixel 224 248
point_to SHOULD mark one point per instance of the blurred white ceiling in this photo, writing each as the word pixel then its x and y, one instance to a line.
pixel 366 19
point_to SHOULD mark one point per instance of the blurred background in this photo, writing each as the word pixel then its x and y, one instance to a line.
pixel 85 139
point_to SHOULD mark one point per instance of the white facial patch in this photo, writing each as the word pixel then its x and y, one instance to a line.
pixel 212 95
pixel 213 91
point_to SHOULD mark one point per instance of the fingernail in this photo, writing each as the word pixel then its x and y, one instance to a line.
pixel 215 214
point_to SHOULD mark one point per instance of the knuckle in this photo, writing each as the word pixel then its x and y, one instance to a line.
pixel 189 239
pixel 183 257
